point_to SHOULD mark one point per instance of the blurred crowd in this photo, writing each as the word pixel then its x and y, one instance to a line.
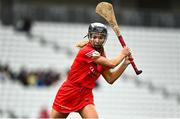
pixel 44 77
pixel 39 77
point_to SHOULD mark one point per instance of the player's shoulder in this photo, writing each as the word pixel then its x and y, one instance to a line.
pixel 89 52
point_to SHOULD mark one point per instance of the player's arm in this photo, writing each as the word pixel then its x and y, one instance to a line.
pixel 109 62
pixel 111 77
pixel 114 61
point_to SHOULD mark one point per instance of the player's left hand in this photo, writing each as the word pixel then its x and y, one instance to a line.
pixel 128 60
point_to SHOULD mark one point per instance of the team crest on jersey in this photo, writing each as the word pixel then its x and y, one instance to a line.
pixel 93 53
pixel 93 71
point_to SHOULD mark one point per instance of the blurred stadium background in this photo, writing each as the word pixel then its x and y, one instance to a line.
pixel 37 47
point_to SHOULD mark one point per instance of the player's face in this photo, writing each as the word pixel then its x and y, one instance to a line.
pixel 97 40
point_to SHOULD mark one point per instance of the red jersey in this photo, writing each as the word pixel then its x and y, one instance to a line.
pixel 84 71
pixel 76 91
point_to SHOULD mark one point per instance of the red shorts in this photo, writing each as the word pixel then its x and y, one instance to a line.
pixel 71 98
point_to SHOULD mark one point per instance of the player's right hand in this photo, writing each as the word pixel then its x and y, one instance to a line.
pixel 125 51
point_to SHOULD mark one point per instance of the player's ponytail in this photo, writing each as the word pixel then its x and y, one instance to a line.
pixel 82 43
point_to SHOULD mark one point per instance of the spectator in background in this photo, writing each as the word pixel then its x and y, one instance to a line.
pixel 6 73
pixel 22 77
pixel 43 114
pixel 32 79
